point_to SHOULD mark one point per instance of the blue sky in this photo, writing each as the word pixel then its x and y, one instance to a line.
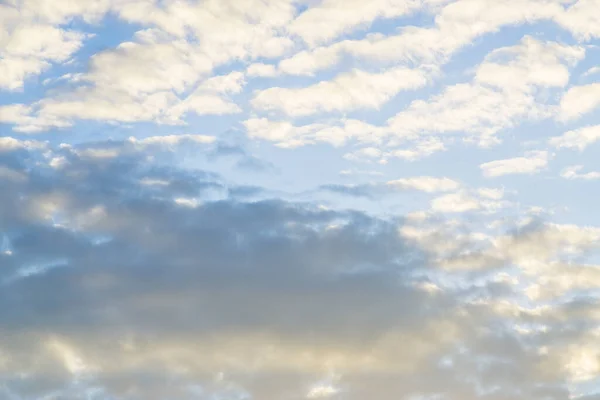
pixel 289 199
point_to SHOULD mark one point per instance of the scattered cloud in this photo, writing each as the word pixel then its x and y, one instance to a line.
pixel 533 162
pixel 572 172
pixel 501 93
pixel 427 184
pixel 578 138
pixel 346 92
pixel 283 199
pixel 579 100
pixel 455 203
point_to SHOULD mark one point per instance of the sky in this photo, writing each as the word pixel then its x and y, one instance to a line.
pixel 299 199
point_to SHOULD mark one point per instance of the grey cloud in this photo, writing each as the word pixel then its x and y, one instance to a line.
pixel 245 160
pixel 131 293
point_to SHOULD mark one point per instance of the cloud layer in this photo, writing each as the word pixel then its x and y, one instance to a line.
pixel 312 199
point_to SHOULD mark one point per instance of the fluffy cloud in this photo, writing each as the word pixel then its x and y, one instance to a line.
pixel 581 18
pixel 457 25
pixel 532 163
pixel 332 18
pixel 572 172
pixel 31 49
pixel 286 134
pixel 579 100
pixel 32 38
pixel 158 75
pixel 578 138
pixel 261 70
pixel 455 203
pixel 502 93
pixel 138 100
pixel 10 144
pixel 346 92
pixel 508 80
pixel 426 184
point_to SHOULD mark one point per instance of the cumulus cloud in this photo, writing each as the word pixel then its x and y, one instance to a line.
pixel 457 24
pixel 426 184
pixel 572 172
pixel 506 89
pixel 578 138
pixel 286 134
pixel 579 100
pixel 332 18
pixel 159 74
pixel 261 70
pixel 346 92
pixel 455 203
pixel 31 41
pixel 533 162
pixel 502 93
pixel 10 144
pixel 581 18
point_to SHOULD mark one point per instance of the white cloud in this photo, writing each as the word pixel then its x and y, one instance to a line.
pixel 532 163
pixel 367 154
pixel 579 100
pixel 261 70
pixel 225 30
pixel 427 184
pixel 231 83
pixel 346 92
pixel 501 95
pixel 458 24
pixel 572 172
pixel 591 71
pixel 32 38
pixel 577 139
pixel 150 77
pixel 359 172
pixel 422 148
pixel 285 134
pixel 332 18
pixel 128 100
pixel 322 392
pixel 491 193
pixel 455 203
pixel 50 11
pixel 504 91
pixel 582 18
pixel 337 133
pixel 8 143
pixel 532 63
pixel 31 48
pixel 20 115
pixel 309 62
pixel 208 98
